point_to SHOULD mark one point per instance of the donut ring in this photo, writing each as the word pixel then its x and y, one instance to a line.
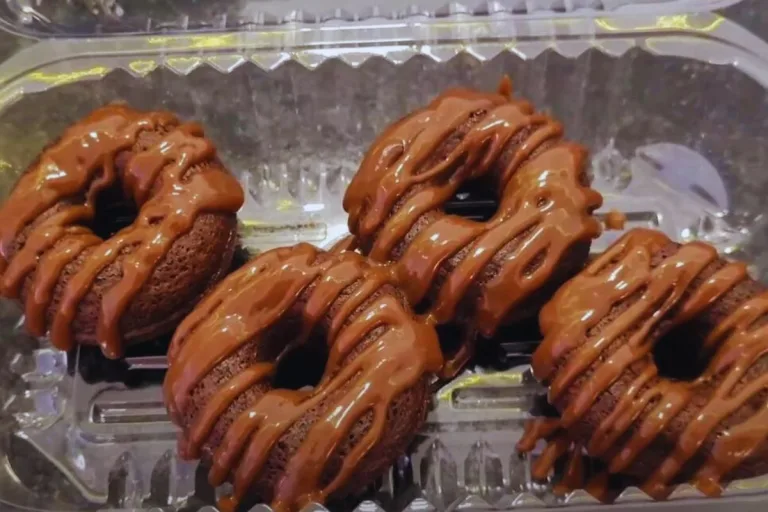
pixel 479 274
pixel 596 358
pixel 292 447
pixel 139 283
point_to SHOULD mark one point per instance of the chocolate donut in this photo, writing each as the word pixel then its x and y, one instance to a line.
pixel 287 446
pixel 597 360
pixel 139 283
pixel 478 274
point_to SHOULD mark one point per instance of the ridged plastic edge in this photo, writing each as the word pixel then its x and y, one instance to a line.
pixel 705 37
pixel 527 501
pixel 21 18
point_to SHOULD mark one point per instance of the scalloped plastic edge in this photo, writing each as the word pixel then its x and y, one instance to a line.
pixel 23 17
pixel 706 37
pixel 527 501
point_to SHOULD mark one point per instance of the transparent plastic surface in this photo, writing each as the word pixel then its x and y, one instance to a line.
pixel 674 109
pixel 96 17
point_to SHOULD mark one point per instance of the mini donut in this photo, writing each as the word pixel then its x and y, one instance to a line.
pixel 597 359
pixel 139 283
pixel 285 446
pixel 478 274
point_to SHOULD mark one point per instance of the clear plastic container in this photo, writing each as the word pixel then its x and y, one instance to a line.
pixel 674 109
pixel 45 18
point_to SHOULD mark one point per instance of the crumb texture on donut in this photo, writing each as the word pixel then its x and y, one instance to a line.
pixel 597 360
pixel 481 273
pixel 286 446
pixel 141 281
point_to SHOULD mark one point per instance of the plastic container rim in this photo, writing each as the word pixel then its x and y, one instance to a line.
pixel 291 14
pixel 707 37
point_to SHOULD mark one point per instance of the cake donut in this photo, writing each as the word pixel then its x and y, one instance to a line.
pixel 286 446
pixel 600 330
pixel 478 274
pixel 139 283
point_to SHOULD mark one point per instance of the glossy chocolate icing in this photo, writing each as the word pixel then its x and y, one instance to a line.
pixel 285 286
pixel 657 299
pixel 67 179
pixel 615 220
pixel 544 211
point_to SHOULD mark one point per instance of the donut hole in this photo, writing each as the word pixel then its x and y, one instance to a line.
pixel 114 211
pixel 474 200
pixel 301 367
pixel 675 354
pixel 478 199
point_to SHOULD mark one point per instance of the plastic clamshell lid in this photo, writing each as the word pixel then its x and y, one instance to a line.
pixel 55 18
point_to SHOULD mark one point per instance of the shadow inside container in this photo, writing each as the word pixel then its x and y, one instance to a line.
pixel 91 365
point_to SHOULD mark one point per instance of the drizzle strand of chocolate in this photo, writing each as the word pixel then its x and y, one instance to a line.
pixel 310 290
pixel 42 222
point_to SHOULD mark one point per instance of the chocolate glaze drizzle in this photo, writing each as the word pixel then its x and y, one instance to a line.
pixel 727 431
pixel 544 209
pixel 337 293
pixel 42 224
